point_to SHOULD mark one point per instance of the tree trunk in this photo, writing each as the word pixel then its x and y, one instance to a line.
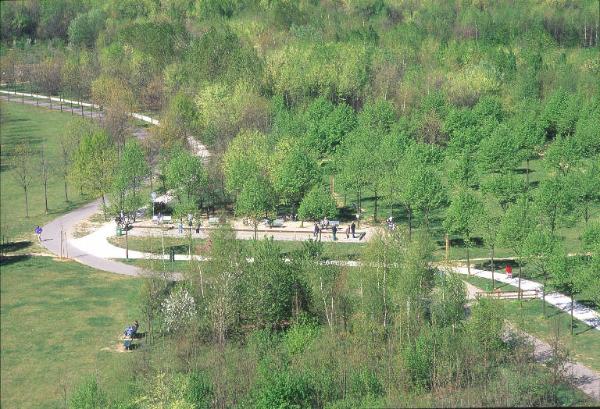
pixel 26 203
pixel 527 175
pixel 375 210
pixel 46 196
pixel 66 194
pixel 520 272
pixel 493 268
pixel 468 261
pixel 409 224
pixel 544 296
pixel 572 305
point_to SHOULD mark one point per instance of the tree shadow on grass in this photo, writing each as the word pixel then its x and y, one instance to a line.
pixel 15 246
pixel 8 260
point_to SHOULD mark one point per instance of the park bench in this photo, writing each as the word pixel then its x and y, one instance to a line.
pixel 277 223
pixel 213 220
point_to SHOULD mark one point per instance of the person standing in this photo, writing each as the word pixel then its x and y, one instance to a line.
pixel 316 230
pixel 509 271
pixel 180 226
pixel 334 231
pixel 38 232
pixel 347 232
pixel 353 229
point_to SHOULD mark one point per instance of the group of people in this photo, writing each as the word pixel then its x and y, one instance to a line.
pixel 350 229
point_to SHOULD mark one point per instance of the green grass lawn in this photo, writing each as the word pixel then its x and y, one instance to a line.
pixel 37 126
pixel 584 344
pixel 57 317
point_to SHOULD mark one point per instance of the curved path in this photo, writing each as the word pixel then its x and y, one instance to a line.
pixel 60 104
pixel 51 239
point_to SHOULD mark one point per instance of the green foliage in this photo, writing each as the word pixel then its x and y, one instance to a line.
pixel 317 204
pixel 256 200
pixel 131 170
pixel 93 163
pixel 269 286
pixel 88 395
pixel 185 173
pixel 295 172
pixel 84 28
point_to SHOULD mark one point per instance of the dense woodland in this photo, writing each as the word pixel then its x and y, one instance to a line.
pixel 469 118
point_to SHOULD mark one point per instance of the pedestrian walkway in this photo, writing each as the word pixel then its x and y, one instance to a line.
pixel 560 301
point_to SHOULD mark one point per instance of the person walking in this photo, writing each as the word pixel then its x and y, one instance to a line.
pixel 353 229
pixel 334 231
pixel 180 226
pixel 316 230
pixel 38 232
pixel 347 232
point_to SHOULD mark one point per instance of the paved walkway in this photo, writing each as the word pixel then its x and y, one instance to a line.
pixel 92 111
pixel 580 376
pixel 93 257
pixel 561 301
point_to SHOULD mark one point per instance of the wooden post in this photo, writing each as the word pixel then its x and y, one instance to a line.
pixel 126 243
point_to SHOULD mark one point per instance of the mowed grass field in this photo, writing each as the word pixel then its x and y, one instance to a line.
pixel 60 323
pixel 38 127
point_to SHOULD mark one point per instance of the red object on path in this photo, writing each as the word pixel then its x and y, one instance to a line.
pixel 509 270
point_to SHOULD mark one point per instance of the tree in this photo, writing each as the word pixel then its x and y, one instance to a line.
pixel 568 277
pixel 44 172
pixel 268 286
pixel 130 172
pixel 185 174
pixel 246 157
pixel 22 161
pixel 226 263
pixel 69 143
pixel 117 100
pixel 489 220
pixel 541 249
pixel 317 204
pixel 93 164
pixel 295 171
pixel 255 201
pixel 555 201
pixel 462 217
pixel 588 186
pixel 514 228
pixel 421 188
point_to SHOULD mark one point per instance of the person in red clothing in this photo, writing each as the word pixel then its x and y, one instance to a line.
pixel 509 270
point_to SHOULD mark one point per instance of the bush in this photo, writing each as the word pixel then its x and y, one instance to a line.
pixel 88 395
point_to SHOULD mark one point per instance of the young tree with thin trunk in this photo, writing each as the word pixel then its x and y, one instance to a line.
pixel 44 172
pixel 23 169
pixel 463 217
pixel 541 248
pixel 514 228
pixel 255 201
pixel 94 163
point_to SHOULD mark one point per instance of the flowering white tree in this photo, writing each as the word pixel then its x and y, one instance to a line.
pixel 179 308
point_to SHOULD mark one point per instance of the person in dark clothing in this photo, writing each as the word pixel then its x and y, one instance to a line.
pixel 316 230
pixel 334 231
pixel 353 229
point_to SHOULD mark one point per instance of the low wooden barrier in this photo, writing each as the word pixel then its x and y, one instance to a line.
pixel 509 295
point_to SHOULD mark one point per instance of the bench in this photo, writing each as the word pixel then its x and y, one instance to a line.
pixel 213 220
pixel 277 223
